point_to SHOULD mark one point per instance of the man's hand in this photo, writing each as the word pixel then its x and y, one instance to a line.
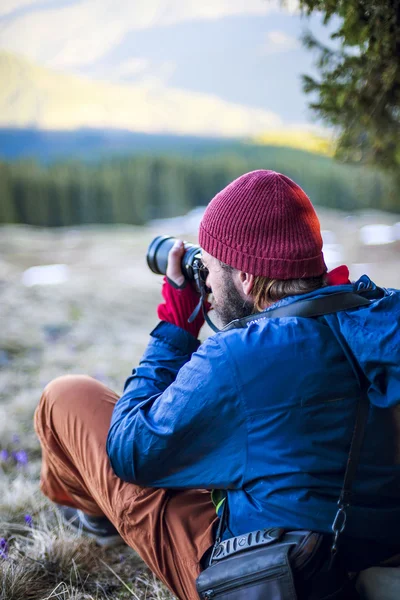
pixel 180 295
pixel 174 270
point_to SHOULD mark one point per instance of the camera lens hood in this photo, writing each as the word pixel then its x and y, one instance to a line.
pixel 156 260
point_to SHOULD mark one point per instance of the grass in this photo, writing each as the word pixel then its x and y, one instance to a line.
pixel 47 331
pixel 42 557
pixel 47 560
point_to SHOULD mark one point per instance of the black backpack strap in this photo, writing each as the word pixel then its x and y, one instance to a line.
pixel 346 494
pixel 310 307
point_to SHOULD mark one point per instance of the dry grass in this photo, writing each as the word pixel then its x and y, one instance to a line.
pixel 42 557
pixel 48 560
pixel 46 331
pixel 21 579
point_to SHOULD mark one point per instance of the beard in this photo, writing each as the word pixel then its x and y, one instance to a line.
pixel 233 305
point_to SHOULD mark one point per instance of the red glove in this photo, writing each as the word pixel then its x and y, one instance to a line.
pixel 179 304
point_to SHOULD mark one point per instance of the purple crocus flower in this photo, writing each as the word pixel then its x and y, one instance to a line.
pixel 4 455
pixel 21 457
pixel 3 548
pixel 29 520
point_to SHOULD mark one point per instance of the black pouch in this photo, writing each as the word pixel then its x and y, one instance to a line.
pixel 274 565
pixel 254 566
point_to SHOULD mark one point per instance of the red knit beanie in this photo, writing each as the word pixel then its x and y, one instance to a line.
pixel 263 223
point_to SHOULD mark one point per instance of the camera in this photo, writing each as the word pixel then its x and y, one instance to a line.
pixel 192 269
pixel 191 263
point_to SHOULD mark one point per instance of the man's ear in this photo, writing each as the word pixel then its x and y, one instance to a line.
pixel 246 281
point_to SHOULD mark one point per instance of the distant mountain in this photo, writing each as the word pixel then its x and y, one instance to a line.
pixel 48 115
pixel 35 97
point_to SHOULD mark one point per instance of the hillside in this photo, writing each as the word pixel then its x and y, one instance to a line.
pixel 40 106
pixel 37 97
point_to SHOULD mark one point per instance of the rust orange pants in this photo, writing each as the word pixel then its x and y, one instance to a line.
pixel 169 529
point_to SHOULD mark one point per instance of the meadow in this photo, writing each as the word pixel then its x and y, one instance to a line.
pixel 46 331
pixel 96 322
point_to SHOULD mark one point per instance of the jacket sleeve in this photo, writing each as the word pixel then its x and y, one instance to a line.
pixel 179 423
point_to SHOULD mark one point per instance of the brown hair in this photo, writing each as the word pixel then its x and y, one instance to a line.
pixel 266 291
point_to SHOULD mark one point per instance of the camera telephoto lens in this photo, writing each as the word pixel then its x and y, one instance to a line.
pixel 157 256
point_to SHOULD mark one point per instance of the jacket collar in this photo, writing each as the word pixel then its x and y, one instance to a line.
pixel 362 285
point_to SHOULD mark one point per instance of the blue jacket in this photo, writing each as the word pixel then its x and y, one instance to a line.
pixel 267 412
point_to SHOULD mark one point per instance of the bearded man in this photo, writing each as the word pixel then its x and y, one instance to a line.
pixel 263 413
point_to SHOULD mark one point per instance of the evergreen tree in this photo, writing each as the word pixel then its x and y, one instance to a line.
pixel 358 89
pixel 133 190
pixel 7 203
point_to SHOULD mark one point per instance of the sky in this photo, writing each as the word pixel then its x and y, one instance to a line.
pixel 237 55
pixel 72 33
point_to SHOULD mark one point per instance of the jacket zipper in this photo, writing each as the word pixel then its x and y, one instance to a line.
pixel 211 593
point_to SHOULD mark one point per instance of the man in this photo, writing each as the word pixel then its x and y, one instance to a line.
pixel 264 412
